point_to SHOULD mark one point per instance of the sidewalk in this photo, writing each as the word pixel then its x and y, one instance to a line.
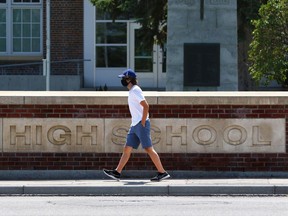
pixel 131 187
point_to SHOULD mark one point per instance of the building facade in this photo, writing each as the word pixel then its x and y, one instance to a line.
pixel 88 48
pixel 23 44
pixel 115 46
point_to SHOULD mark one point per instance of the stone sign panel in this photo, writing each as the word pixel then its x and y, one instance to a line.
pixel 205 135
pixel 53 135
pixel 222 135
pixel 168 135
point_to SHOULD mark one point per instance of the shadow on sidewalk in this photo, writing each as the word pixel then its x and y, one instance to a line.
pixel 134 182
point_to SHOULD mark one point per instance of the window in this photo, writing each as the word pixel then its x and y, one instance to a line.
pixel 111 41
pixel 26 1
pixel 21 21
pixel 3 30
pixel 26 30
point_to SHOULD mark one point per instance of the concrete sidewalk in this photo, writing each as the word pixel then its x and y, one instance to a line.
pixel 130 187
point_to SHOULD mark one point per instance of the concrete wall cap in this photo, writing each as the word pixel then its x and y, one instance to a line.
pixel 153 97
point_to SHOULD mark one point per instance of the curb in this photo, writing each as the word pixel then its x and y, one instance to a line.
pixel 129 174
pixel 140 190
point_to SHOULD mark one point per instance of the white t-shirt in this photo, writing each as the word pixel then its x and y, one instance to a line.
pixel 136 109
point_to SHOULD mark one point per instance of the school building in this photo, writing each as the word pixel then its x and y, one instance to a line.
pixel 88 48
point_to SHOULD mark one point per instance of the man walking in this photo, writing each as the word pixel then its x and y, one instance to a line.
pixel 139 131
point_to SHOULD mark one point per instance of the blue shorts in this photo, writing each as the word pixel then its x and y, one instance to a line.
pixel 139 134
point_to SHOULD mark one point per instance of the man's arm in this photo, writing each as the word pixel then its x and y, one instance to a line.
pixel 145 111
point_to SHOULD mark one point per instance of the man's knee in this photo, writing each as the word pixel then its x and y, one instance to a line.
pixel 127 149
pixel 150 150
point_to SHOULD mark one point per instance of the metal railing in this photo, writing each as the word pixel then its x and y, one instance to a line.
pixel 4 69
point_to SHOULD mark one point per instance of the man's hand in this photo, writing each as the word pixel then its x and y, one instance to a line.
pixel 145 111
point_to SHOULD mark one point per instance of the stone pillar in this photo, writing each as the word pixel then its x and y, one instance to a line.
pixel 202 22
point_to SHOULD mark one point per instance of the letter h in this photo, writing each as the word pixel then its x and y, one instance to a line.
pixel 14 135
pixel 92 135
pixel 182 135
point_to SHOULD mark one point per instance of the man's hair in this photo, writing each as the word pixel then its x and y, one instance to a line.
pixel 133 80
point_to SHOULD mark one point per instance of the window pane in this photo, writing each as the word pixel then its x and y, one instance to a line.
pixel 2 44
pixel 142 49
pixel 35 45
pixel 111 56
pixel 26 1
pixel 3 30
pixel 36 30
pixel 17 30
pixel 26 45
pixel 26 30
pixel 2 1
pixel 101 15
pixel 17 45
pixel 26 15
pixel 143 55
pixel 111 33
pixel 144 64
pixel 164 60
pixel 36 16
pixel 2 15
pixel 16 15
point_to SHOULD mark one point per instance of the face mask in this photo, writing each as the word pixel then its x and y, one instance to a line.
pixel 124 82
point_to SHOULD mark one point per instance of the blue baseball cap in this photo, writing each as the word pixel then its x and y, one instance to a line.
pixel 128 73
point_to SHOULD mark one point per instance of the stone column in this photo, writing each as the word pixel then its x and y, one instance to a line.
pixel 202 22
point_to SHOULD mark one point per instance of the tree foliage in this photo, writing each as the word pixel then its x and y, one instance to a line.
pixel 152 15
pixel 268 52
pixel 247 10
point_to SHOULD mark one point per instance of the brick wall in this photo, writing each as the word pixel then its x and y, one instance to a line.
pixel 243 162
pixel 66 34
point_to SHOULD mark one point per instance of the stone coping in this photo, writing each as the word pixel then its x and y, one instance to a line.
pixel 153 97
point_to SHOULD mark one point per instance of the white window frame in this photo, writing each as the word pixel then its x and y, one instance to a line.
pixel 27 3
pixel 5 24
pixel 114 44
pixel 9 6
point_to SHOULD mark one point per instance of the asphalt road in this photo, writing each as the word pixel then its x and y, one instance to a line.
pixel 138 205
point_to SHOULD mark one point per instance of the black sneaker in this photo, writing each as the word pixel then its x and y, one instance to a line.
pixel 160 176
pixel 112 174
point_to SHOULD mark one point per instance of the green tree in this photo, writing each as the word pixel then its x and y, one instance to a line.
pixel 247 11
pixel 152 15
pixel 268 54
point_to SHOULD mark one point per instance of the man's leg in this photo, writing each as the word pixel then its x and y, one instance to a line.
pixel 162 174
pixel 155 159
pixel 124 158
pixel 116 174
